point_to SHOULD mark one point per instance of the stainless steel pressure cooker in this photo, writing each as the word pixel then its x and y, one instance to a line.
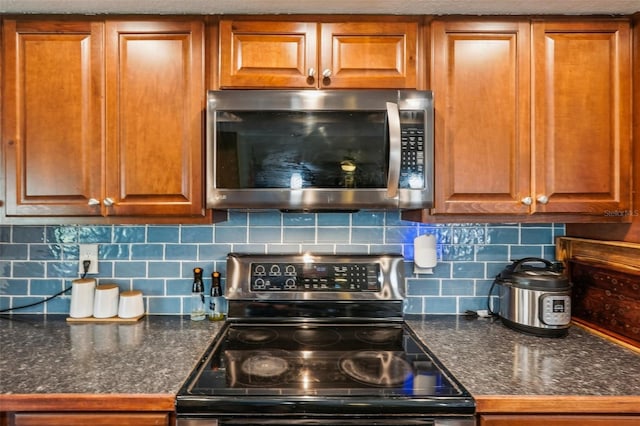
pixel 535 297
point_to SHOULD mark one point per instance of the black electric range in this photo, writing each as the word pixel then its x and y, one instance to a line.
pixel 308 356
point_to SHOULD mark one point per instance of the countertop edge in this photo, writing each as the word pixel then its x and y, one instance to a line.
pixel 492 404
pixel 557 404
pixel 87 402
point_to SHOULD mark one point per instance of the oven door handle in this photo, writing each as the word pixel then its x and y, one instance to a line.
pixel 395 147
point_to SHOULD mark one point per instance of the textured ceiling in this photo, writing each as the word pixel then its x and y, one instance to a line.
pixel 400 7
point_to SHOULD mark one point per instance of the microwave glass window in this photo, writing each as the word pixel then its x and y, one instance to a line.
pixel 298 149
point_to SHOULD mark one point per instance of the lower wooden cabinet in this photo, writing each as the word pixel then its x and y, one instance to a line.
pixel 87 409
pixel 558 410
pixel 84 419
pixel 558 420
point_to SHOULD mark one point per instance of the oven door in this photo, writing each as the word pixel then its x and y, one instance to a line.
pixel 257 421
pixel 309 150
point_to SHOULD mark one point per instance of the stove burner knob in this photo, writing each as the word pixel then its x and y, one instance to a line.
pixel 275 270
pixel 258 284
pixel 259 270
pixel 291 270
pixel 290 284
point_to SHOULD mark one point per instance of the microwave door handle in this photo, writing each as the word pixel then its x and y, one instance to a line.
pixel 395 147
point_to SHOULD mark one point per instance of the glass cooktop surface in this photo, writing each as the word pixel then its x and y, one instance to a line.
pixel 320 359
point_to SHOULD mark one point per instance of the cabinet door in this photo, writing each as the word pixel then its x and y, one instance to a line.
pixel 582 117
pixel 52 117
pixel 155 102
pixel 94 419
pixel 256 54
pixel 368 55
pixel 480 78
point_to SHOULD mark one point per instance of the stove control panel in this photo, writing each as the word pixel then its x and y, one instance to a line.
pixel 305 277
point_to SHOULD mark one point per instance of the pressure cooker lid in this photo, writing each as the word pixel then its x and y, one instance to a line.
pixel 535 274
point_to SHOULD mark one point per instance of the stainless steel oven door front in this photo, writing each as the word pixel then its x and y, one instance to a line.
pixel 241 421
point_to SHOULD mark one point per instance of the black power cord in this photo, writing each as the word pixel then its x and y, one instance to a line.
pixel 85 267
pixel 489 309
pixel 489 313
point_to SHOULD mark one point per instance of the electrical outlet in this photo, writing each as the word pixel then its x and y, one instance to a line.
pixel 88 252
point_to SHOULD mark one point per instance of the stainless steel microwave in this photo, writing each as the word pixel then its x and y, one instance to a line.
pixel 319 150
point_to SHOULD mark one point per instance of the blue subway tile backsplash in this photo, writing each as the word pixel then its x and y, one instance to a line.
pixel 39 261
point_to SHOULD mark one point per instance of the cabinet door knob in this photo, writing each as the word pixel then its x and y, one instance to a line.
pixel 311 73
pixel 93 202
pixel 542 199
pixel 108 202
pixel 326 73
pixel 527 201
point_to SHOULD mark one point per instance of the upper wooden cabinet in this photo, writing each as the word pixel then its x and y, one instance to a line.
pixel 480 79
pixel 155 98
pixel 286 54
pixel 52 117
pixel 582 116
pixel 623 232
pixel 103 119
pixel 532 123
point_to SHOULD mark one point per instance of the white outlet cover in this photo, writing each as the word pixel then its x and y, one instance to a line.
pixel 88 252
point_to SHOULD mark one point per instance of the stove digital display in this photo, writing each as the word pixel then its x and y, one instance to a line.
pixel 304 277
pixel 313 270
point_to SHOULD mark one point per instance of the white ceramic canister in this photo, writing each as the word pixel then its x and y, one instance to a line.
pixel 131 304
pixel 82 292
pixel 105 301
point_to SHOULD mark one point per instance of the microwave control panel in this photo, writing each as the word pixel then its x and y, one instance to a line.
pixel 316 277
pixel 412 134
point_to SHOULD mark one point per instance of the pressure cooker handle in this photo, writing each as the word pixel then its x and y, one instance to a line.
pixel 517 267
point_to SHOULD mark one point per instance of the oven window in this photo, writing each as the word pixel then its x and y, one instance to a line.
pixel 301 149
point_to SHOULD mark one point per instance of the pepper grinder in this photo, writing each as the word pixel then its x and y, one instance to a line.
pixel 197 296
pixel 216 309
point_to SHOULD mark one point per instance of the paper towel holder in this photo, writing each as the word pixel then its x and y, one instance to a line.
pixel 425 255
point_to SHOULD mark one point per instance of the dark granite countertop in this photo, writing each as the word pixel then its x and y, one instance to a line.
pixel 490 359
pixel 45 354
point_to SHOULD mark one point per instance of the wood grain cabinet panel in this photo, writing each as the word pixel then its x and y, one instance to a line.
pixel 480 78
pixel 52 117
pixel 94 419
pixel 103 118
pixel 532 119
pixel 582 117
pixel 267 54
pixel 368 55
pixel 288 54
pixel 155 99
pixel 623 232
